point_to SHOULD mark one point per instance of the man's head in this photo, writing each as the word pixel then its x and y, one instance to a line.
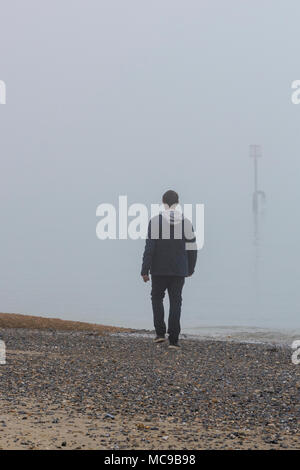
pixel 170 198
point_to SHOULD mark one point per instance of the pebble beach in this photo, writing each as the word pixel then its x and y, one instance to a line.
pixel 78 388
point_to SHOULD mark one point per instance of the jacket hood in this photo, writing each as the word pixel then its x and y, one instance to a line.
pixel 172 216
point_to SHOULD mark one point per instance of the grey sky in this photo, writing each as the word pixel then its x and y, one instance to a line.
pixel 112 97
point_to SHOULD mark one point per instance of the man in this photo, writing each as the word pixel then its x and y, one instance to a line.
pixel 170 256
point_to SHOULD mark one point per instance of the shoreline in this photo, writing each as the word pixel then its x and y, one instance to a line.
pixel 240 334
pixel 63 389
pixel 150 334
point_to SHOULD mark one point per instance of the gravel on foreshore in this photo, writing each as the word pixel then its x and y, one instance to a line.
pixel 78 389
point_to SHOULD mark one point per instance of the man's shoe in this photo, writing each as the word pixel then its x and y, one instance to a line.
pixel 174 346
pixel 159 339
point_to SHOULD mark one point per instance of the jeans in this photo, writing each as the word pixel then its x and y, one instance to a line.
pixel 174 285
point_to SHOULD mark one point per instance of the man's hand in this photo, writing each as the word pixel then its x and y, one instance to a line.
pixel 145 278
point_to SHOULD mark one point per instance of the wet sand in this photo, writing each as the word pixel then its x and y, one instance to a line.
pixel 94 390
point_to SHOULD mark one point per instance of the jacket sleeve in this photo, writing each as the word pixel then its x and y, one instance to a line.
pixel 148 253
pixel 192 259
pixel 191 247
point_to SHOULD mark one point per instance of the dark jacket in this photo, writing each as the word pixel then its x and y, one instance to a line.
pixel 166 250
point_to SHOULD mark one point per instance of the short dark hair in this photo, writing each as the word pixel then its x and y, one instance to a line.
pixel 170 197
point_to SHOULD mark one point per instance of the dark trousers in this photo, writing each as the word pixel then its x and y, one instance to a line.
pixel 174 285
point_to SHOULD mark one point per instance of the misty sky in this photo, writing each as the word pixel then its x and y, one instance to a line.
pixel 109 98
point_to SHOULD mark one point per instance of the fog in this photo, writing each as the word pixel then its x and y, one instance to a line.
pixel 108 98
